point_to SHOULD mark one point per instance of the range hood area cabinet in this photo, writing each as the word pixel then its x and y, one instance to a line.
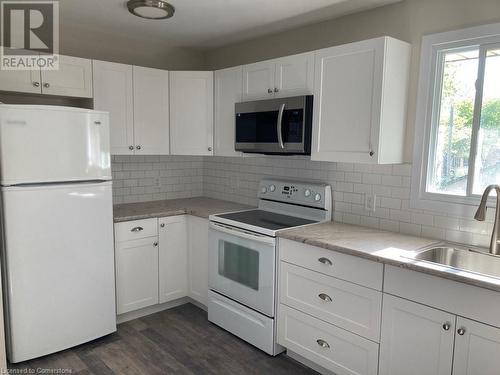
pixel 137 101
pixel 72 79
pixel 360 99
pixel 279 78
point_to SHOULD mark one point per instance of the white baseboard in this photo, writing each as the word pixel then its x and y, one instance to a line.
pixel 122 318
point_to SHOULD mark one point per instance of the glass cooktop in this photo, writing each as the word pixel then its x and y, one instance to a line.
pixel 266 219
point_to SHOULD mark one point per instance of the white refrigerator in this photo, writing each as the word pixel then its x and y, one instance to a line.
pixel 57 228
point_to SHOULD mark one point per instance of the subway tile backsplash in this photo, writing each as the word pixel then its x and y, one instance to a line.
pixel 143 178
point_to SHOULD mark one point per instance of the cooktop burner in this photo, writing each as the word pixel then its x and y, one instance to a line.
pixel 266 219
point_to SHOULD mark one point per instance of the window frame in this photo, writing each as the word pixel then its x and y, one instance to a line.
pixel 428 102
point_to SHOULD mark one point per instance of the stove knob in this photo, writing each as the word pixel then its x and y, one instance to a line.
pixel 317 197
pixel 307 193
pixel 272 188
pixel 263 190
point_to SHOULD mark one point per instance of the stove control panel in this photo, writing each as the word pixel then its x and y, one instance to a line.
pixel 297 192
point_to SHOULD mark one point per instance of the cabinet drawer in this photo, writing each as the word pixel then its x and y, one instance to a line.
pixel 349 306
pixel 346 267
pixel 132 230
pixel 331 347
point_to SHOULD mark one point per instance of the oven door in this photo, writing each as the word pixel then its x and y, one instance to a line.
pixel 242 266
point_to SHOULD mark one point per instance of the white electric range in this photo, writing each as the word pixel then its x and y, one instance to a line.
pixel 243 257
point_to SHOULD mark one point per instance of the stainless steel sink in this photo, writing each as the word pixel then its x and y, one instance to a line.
pixel 463 259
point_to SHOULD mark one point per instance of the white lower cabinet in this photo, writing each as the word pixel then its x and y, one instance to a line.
pixel 136 274
pixel 160 260
pixel 198 259
pixel 173 252
pixel 331 347
pixel 415 339
pixel 477 349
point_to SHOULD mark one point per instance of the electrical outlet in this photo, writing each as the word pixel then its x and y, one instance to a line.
pixel 370 202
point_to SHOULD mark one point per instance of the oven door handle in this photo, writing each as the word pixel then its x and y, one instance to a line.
pixel 242 233
pixel 279 126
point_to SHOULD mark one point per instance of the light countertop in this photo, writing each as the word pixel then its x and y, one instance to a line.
pixel 380 246
pixel 199 206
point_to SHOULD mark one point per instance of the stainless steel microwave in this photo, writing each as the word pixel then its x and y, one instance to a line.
pixel 274 126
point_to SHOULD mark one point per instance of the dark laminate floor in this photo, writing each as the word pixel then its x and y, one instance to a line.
pixel 175 341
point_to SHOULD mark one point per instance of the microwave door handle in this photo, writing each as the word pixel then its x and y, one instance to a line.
pixel 279 124
pixel 242 234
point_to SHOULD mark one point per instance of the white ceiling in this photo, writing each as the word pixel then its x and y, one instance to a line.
pixel 209 23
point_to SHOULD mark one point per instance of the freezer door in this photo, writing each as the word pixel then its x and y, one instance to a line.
pixel 53 144
pixel 59 267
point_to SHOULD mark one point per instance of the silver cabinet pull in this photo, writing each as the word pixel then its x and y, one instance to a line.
pixel 278 126
pixel 162 225
pixel 325 261
pixel 36 84
pixel 130 147
pixel 155 244
pixel 138 147
pixel 461 331
pixel 270 91
pixel 325 297
pixel 276 89
pixel 210 149
pixel 97 122
pixel 372 153
pixel 46 85
pixel 446 326
pixel 136 229
pixel 323 344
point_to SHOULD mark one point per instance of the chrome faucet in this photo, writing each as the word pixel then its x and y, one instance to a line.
pixel 481 215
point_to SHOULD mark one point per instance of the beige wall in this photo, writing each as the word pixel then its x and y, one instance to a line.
pixel 89 42
pixel 408 20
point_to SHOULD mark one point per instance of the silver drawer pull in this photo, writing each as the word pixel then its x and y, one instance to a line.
pixel 325 297
pixel 97 122
pixel 325 261
pixel 323 344
pixel 136 229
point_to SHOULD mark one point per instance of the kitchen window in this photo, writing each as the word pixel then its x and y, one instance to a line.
pixel 457 151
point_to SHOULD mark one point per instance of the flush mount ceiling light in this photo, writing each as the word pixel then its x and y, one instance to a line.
pixel 150 9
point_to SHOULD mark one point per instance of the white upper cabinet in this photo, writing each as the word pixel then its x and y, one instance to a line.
pixel 73 78
pixel 477 348
pixel 294 75
pixel 113 92
pixel 258 80
pixel 287 76
pixel 191 113
pixel 151 111
pixel 360 94
pixel 415 339
pixel 228 91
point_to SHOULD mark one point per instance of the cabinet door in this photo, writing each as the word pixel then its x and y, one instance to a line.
pixel 295 75
pixel 191 113
pixel 258 80
pixel 28 81
pixel 477 349
pixel 113 93
pixel 173 255
pixel 198 259
pixel 415 339
pixel 136 274
pixel 151 117
pixel 228 88
pixel 347 91
pixel 73 78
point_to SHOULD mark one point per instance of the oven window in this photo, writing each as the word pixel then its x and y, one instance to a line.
pixel 239 263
